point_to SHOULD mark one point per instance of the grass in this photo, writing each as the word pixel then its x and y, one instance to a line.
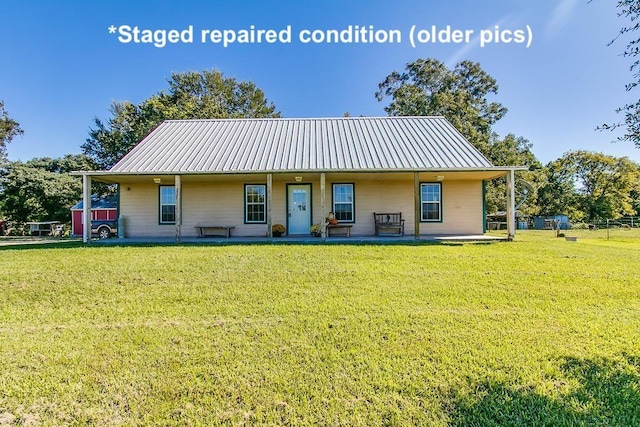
pixel 539 331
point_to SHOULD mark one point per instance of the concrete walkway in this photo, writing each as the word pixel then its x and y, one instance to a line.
pixel 303 240
pixel 35 240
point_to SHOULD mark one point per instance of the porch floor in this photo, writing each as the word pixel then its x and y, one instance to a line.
pixel 305 240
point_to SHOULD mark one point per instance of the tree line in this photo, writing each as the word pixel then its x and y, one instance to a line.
pixel 42 189
pixel 584 185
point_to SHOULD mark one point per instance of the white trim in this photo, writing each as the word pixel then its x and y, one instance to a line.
pixel 160 205
pixel 352 202
pixel 505 169
pixel 86 208
pixel 264 203
pixel 511 205
pixel 439 202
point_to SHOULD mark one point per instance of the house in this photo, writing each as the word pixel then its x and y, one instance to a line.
pixel 252 173
pixel 102 209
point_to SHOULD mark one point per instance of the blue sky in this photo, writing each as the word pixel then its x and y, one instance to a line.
pixel 62 67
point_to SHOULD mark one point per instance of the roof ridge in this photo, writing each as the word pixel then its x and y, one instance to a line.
pixel 304 118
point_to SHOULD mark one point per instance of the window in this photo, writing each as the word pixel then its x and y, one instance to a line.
pixel 255 202
pixel 431 202
pixel 167 204
pixel 343 202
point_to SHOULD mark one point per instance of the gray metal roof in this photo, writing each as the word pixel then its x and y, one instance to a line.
pixel 308 144
pixel 106 202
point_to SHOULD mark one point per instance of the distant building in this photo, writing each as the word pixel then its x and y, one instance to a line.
pixel 551 222
pixel 102 208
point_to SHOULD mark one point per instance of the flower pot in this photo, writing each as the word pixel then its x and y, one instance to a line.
pixel 277 234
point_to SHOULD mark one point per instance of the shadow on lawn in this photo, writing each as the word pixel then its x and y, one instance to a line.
pixel 18 245
pixel 6 245
pixel 608 393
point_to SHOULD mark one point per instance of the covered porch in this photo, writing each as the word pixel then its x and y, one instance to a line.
pixel 307 240
pixel 217 200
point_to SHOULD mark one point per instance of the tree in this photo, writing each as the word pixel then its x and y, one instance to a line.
pixel 428 87
pixel 65 164
pixel 41 189
pixel 129 123
pixel 513 150
pixel 604 183
pixel 629 9
pixel 9 129
pixel 598 186
pixel 191 95
pixel 635 197
pixel 557 195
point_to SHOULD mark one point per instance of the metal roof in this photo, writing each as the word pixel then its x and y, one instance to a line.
pixel 107 202
pixel 306 144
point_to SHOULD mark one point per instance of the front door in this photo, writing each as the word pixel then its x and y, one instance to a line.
pixel 299 208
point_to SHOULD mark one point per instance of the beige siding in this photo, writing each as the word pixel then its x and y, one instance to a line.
pixel 212 203
pixel 378 196
pixel 222 203
pixel 217 204
pixel 461 210
pixel 139 206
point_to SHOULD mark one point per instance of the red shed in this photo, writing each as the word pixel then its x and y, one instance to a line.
pixel 102 208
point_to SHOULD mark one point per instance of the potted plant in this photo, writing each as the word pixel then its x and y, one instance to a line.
pixel 316 230
pixel 278 230
pixel 331 219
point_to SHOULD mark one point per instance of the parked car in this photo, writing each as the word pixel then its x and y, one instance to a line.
pixel 104 228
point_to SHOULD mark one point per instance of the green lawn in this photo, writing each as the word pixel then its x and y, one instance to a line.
pixel 539 331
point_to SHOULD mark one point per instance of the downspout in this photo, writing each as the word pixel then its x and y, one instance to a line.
pixel 484 206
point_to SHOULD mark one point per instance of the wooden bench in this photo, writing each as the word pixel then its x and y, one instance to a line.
pixel 346 227
pixel 389 224
pixel 214 230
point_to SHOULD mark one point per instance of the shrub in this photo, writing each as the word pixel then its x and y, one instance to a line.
pixel 278 228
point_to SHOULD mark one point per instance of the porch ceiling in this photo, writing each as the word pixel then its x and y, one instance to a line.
pixel 446 175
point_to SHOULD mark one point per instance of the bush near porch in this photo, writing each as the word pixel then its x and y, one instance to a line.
pixel 537 331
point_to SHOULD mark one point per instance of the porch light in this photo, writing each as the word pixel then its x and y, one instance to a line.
pixel 298 179
pixel 440 178
pixel 157 180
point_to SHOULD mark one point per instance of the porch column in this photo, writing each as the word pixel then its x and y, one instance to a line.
pixel 322 203
pixel 511 205
pixel 416 205
pixel 178 185
pixel 86 209
pixel 269 191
